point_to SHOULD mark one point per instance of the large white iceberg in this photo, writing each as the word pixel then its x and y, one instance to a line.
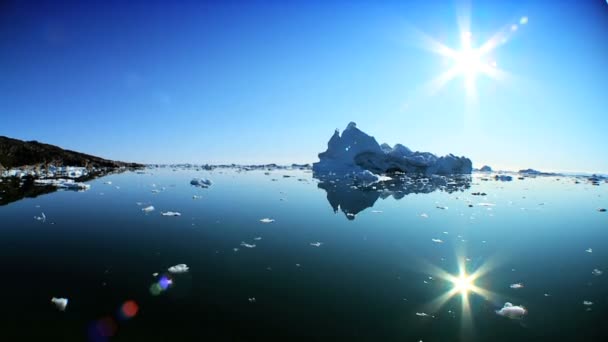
pixel 354 152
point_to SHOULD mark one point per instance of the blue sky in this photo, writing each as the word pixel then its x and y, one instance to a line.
pixel 257 82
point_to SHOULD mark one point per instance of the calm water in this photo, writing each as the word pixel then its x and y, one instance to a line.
pixel 376 268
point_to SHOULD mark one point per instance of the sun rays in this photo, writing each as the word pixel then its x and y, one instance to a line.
pixel 469 61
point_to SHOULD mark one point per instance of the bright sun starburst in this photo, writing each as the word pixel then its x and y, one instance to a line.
pixel 463 283
pixel 469 62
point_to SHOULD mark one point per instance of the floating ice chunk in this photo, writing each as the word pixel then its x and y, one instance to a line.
pixel 201 182
pixel 596 272
pixel 42 218
pixel 437 240
pixel 155 274
pixel 252 300
pixel 589 250
pixel 257 238
pixel 512 311
pixel 587 303
pixel 60 303
pixel 179 268
pixel 235 249
pixel 108 182
pixel 148 209
pixel 171 213
pixel 244 244
pixel 424 314
pixel 267 220
pixel 424 215
pixel 516 286
pixel 316 244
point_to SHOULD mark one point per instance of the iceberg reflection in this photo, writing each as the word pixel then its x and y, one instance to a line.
pixel 352 196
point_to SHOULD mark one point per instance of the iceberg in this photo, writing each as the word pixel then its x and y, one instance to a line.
pixel 355 152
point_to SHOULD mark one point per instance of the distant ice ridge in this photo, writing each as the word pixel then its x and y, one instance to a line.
pixel 355 152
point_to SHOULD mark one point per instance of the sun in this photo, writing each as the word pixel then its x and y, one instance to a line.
pixel 469 61
pixel 463 284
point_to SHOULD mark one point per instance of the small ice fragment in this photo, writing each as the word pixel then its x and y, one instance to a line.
pixel 437 240
pixel 512 311
pixel 108 182
pixel 377 211
pixel 424 314
pixel 316 244
pixel 179 268
pixel 589 250
pixel 596 272
pixel 40 218
pixel 235 249
pixel 155 274
pixel 60 303
pixel 424 215
pixel 298 265
pixel 244 244
pixel 587 303
pixel 267 220
pixel 252 300
pixel 196 197
pixel 547 295
pixel 171 213
pixel 446 233
pixel 257 238
pixel 155 191
pixel 516 286
pixel 148 209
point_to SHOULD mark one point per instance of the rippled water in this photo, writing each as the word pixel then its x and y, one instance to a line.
pixel 373 270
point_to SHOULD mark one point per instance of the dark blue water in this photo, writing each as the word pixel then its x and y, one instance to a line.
pixel 375 269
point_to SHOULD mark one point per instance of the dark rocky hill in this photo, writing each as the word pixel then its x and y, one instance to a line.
pixel 16 153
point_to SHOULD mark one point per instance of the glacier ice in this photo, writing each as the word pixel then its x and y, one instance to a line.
pixel 355 152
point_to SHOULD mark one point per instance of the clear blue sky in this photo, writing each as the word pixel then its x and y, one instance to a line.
pixel 257 82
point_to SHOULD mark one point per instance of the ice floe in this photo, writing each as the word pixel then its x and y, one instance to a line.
pixel 171 213
pixel 437 240
pixel 512 311
pixel 148 209
pixel 179 268
pixel 516 286
pixel 596 272
pixel 247 245
pixel 201 182
pixel 424 314
pixel 587 303
pixel 42 218
pixel 316 244
pixel 589 250
pixel 60 303
pixel 267 220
